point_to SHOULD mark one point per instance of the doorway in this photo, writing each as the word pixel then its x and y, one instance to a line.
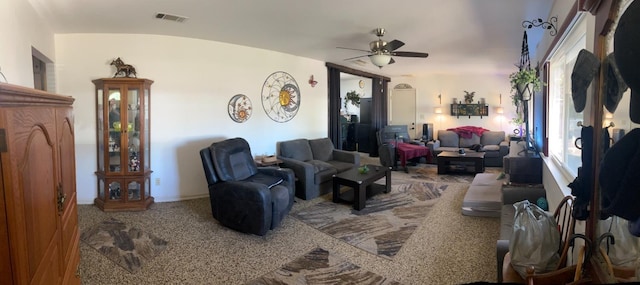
pixel 403 108
pixel 378 109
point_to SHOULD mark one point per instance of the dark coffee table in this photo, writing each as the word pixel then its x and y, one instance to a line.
pixel 449 161
pixel 362 183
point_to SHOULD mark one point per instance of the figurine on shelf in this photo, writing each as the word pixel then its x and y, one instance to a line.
pixel 468 96
pixel 124 69
pixel 134 163
pixel 114 193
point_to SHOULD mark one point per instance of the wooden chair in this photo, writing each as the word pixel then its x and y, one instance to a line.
pixel 619 273
pixel 566 224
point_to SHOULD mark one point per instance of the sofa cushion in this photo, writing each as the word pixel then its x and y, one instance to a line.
pixel 340 165
pixel 453 149
pixel 319 165
pixel 322 149
pixel 464 142
pixel 488 179
pixel 296 149
pixel 448 139
pixel 506 221
pixel 491 147
pixel 492 137
pixel 324 175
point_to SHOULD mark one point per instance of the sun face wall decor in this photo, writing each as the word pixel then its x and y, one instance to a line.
pixel 240 108
pixel 280 96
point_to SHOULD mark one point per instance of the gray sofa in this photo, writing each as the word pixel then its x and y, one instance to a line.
pixel 511 195
pixel 314 163
pixel 493 143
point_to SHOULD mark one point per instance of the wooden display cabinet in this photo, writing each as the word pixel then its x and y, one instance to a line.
pixel 122 108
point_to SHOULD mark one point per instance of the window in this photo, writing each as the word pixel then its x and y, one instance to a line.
pixel 563 119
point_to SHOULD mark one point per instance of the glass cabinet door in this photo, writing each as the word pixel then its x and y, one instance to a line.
pixel 133 191
pixel 133 130
pixel 115 129
pixel 147 131
pixel 100 127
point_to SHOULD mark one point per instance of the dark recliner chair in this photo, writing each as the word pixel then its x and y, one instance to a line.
pixel 245 197
pixel 386 149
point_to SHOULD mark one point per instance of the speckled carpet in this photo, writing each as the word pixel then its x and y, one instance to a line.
pixel 320 266
pixel 446 248
pixel 384 225
pixel 127 246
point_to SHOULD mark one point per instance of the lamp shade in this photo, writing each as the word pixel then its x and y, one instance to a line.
pixel 499 110
pixel 380 60
pixel 438 110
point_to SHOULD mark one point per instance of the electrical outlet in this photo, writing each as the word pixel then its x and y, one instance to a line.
pixel 157 181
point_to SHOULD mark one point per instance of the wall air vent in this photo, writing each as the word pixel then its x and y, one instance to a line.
pixel 170 17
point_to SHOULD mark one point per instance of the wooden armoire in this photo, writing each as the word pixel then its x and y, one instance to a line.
pixel 39 238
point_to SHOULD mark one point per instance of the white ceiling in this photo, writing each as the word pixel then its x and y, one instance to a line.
pixel 461 36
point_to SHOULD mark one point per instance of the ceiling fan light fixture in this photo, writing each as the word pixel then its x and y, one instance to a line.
pixel 380 60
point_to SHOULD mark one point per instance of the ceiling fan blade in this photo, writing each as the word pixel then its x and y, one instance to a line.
pixel 410 54
pixel 354 49
pixel 355 57
pixel 394 45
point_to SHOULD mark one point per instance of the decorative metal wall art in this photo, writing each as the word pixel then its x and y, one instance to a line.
pixel 479 109
pixel 280 96
pixel 547 25
pixel 240 108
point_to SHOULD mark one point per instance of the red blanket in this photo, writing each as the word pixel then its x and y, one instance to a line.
pixel 467 132
pixel 408 151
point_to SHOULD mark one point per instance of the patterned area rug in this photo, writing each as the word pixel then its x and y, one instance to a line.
pixel 386 222
pixel 321 267
pixel 126 246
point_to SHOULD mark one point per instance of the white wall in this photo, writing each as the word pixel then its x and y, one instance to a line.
pixel 194 80
pixel 487 86
pixel 21 29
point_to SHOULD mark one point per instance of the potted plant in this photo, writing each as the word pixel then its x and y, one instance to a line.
pixel 352 97
pixel 522 79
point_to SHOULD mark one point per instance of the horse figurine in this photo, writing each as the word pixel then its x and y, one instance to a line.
pixel 125 69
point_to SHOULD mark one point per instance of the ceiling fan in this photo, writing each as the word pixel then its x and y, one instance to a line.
pixel 381 52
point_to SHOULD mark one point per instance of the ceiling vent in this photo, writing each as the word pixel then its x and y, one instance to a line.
pixel 170 17
pixel 360 62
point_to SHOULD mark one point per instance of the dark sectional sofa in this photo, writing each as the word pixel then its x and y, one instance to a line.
pixel 314 162
pixel 493 143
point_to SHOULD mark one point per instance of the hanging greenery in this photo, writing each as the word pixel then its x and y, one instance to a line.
pixel 352 97
pixel 518 80
pixel 524 77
